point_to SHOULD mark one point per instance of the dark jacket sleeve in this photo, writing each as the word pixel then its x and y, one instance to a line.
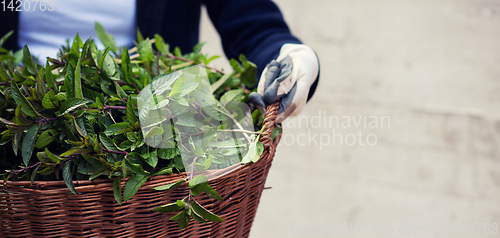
pixel 255 28
pixel 9 22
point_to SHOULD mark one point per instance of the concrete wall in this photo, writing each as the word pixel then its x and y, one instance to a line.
pixel 426 75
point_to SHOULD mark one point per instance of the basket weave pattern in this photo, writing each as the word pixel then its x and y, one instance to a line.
pixel 48 209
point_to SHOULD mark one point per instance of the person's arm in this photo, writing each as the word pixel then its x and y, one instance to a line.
pixel 256 28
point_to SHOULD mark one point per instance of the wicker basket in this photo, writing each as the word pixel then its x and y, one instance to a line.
pixel 48 209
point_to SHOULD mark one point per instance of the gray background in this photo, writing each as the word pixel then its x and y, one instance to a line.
pixel 433 68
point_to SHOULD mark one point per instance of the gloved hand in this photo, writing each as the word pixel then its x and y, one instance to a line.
pixel 289 77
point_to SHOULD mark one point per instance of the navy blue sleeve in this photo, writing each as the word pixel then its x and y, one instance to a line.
pixel 255 28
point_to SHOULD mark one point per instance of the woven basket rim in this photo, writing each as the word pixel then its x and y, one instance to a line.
pixel 57 185
pixel 37 185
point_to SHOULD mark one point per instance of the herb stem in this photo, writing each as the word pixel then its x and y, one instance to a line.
pixel 116 152
pixel 26 168
pixel 223 111
pixel 244 131
pixel 46 120
pixel 171 56
pixel 115 107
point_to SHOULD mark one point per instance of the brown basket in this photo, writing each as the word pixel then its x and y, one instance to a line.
pixel 48 209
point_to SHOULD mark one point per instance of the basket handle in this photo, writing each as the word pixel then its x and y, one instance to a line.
pixel 270 123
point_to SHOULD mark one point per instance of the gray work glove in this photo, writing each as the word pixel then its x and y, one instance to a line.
pixel 289 77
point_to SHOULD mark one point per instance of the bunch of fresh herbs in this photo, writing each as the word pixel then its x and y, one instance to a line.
pixel 77 117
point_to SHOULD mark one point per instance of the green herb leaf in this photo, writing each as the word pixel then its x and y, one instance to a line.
pixel 177 86
pixel 197 47
pixel 78 81
pixel 232 95
pixel 49 79
pixel 198 180
pixel 177 51
pixel 28 142
pixel 154 132
pixel 204 212
pixel 69 81
pixel 52 157
pixel 106 38
pixel 249 74
pixel 221 81
pixel 100 64
pixel 118 128
pixel 198 188
pixel 19 117
pixel 163 171
pixel 107 142
pixel 131 118
pixel 152 159
pixel 4 75
pixel 5 37
pixel 207 61
pixel 140 38
pixel 109 65
pixel 188 87
pixel 119 91
pixel 168 153
pixel 47 102
pixel 182 219
pixel 28 61
pixel 76 151
pixel 211 193
pixel 133 185
pixel 236 66
pixel 27 108
pixel 198 218
pixel 160 45
pixel 276 132
pixel 71 104
pixel 98 103
pixel 117 192
pixel 46 138
pixel 46 171
pixel 253 154
pixel 171 207
pixel 67 176
pixel 169 186
pixel 145 51
pixel 135 168
pixel 128 76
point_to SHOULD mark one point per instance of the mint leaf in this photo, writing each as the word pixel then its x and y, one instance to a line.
pixel 131 118
pixel 117 192
pixel 169 186
pixel 106 38
pixel 67 176
pixel 28 61
pixel 28 142
pixel 78 81
pixel 19 98
pixel 135 168
pixel 204 212
pixel 171 207
pixel 118 128
pixel 46 138
pixel 71 104
pixel 133 185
